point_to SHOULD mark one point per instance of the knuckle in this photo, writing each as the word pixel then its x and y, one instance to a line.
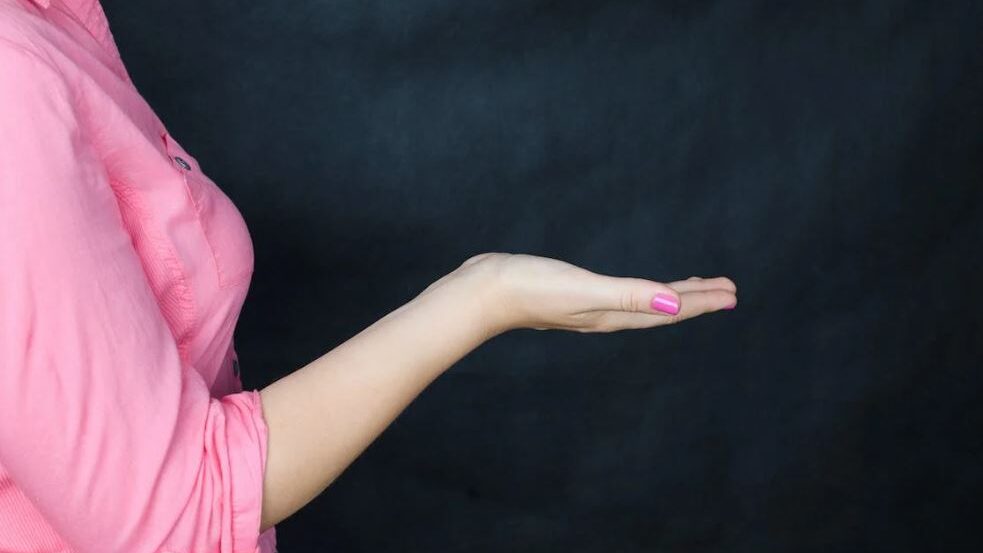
pixel 630 301
pixel 478 257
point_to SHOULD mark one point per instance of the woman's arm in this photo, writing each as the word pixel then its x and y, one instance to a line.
pixel 322 416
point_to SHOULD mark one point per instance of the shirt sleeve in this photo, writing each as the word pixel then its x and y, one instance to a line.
pixel 115 440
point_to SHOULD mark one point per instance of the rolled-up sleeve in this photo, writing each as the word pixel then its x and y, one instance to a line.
pixel 110 434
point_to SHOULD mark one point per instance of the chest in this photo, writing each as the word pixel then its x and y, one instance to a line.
pixel 192 240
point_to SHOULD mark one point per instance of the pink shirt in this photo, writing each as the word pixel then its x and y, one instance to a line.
pixel 124 427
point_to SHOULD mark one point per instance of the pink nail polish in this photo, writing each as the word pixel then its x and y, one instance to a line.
pixel 731 306
pixel 665 303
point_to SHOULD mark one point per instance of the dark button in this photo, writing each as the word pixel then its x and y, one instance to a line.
pixel 184 164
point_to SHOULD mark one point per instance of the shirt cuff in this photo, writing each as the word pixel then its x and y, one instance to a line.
pixel 247 469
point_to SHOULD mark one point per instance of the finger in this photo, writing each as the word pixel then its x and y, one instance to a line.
pixel 697 283
pixel 699 302
pixel 630 294
pixel 694 304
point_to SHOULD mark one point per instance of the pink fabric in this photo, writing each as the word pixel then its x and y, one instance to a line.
pixel 124 427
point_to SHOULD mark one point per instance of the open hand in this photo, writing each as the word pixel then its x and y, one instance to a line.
pixel 542 293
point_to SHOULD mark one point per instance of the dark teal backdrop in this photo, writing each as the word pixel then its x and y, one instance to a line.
pixel 825 155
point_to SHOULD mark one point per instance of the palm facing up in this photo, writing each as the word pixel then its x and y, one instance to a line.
pixel 527 291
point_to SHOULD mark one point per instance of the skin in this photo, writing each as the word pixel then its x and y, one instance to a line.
pixel 322 416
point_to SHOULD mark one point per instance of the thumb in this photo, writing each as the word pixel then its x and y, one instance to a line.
pixel 636 295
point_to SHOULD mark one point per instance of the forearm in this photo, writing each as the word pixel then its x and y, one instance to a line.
pixel 323 416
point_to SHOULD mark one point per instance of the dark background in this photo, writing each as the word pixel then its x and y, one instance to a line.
pixel 826 156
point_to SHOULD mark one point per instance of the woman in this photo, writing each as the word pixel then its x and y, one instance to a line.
pixel 123 423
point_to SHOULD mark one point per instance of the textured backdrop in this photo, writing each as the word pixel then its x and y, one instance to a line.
pixel 825 155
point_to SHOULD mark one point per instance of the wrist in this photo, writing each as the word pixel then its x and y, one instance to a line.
pixel 492 305
pixel 478 289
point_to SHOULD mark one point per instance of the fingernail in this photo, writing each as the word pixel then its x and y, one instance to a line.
pixel 731 306
pixel 665 303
